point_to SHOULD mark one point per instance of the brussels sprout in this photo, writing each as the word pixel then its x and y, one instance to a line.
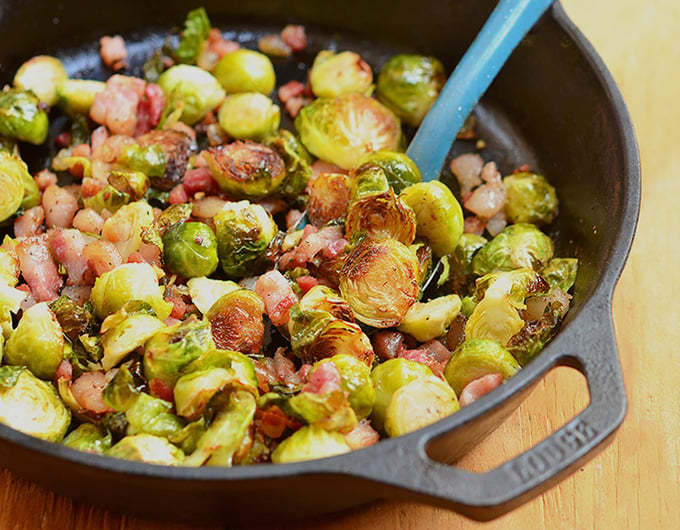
pixel 124 389
pixel 197 89
pixel 342 130
pixel 108 198
pixel 475 358
pixel 297 161
pixel 329 410
pixel 496 316
pixel 461 261
pixel 336 74
pixel 379 279
pixel 419 403
pixel 152 416
pixel 124 228
pixel 518 245
pixel 89 438
pixel 530 199
pixel 196 29
pixel 309 443
pixel 21 117
pixel 532 338
pixel 339 337
pixel 236 321
pixel 217 445
pixel 147 448
pixel 239 365
pixel 389 377
pixel 561 272
pixel 150 160
pixel 129 281
pixel 11 183
pixel 37 342
pixel 409 85
pixel 244 231
pixel 31 405
pixel 429 320
pixel 356 381
pixel 41 75
pixel 439 217
pixel 194 390
pixel 163 154
pixel 246 169
pixel 171 349
pixel 75 96
pixel 190 250
pixel 124 332
pixel 204 292
pixel 329 198
pixel 249 116
pixel 134 184
pixel 401 171
pixel 73 319
pixel 245 71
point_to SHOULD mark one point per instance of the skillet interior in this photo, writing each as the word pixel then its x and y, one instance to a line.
pixel 548 108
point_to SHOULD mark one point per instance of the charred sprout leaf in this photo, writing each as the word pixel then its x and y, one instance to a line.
pixel 134 184
pixel 249 116
pixel 154 67
pixel 336 74
pixel 344 129
pixel 21 116
pixel 164 156
pixel 340 337
pixel 173 215
pixel 419 403
pixel 37 342
pixel 439 216
pixel 174 347
pixel 197 89
pixel 561 272
pixel 518 245
pixel 297 161
pixel 389 377
pixel 475 358
pixel 147 448
pixel 329 197
pixel 246 70
pixel 188 437
pixel 152 416
pixel 401 171
pixel 196 29
pixel 308 443
pixel 73 319
pixel 530 199
pixel 223 437
pixel 41 75
pixel 31 405
pixel 190 250
pixel 409 85
pixel 122 391
pixel 535 334
pixel 429 320
pixel 90 438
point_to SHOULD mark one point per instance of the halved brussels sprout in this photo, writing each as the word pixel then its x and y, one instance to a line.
pixel 329 197
pixel 245 71
pixel 244 231
pixel 76 96
pixel 162 154
pixel 204 292
pixel 190 250
pixel 194 390
pixel 530 199
pixel 147 448
pixel 496 316
pixel 297 161
pixel 223 437
pixel 309 443
pixel 11 183
pixel 41 75
pixel 389 377
pixel 401 171
pixel 439 217
pixel 561 272
pixel 409 85
pixel 419 403
pixel 21 117
pixel 129 281
pixel 339 337
pixel 90 438
pixel 124 228
pixel 356 381
pixel 519 245
pixel 37 342
pixel 344 129
pixel 249 116
pixel 329 410
pixel 152 415
pixel 199 91
pixel 173 348
pixel 379 279
pixel 429 320
pixel 475 358
pixel 240 365
pixel 124 332
pixel 336 74
pixel 246 169
pixel 31 405
pixel 236 321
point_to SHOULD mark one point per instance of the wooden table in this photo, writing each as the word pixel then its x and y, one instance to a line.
pixel 635 482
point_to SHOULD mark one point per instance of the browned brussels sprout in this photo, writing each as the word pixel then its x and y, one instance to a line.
pixel 236 321
pixel 163 155
pixel 336 74
pixel 329 197
pixel 308 443
pixel 401 171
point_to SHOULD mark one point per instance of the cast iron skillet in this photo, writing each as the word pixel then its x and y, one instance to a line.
pixel 553 106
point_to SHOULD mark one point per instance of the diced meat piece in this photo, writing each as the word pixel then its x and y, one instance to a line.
pixel 474 225
pixel 150 109
pixel 178 195
pixel 113 52
pixel 278 296
pixel 478 388
pixel 60 206
pixel 489 198
pixel 306 282
pixel 161 389
pixel 64 371
pixel 294 35
pixel 102 256
pixel 290 90
pixel 88 392
pixel 67 247
pixel 325 378
pixel 294 104
pixel 80 294
pixel 45 178
pixel 467 169
pixel 363 435
pixel 388 344
pixel 116 105
pixel 319 166
pixel 432 354
pixel 200 179
pixel 273 45
pixel 38 268
pixel 89 221
pixel 29 223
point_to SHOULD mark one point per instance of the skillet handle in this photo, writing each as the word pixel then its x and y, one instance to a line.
pixel 484 496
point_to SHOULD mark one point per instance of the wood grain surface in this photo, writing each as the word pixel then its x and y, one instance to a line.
pixel 635 482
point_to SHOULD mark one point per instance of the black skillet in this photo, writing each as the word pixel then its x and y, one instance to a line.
pixel 553 106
